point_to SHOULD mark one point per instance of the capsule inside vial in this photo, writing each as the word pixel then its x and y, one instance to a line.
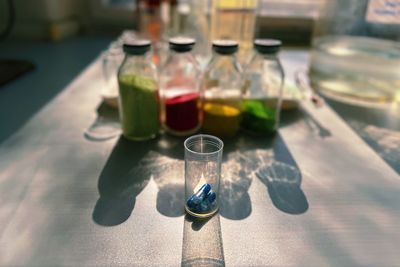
pixel 208 202
pixel 211 196
pixel 199 196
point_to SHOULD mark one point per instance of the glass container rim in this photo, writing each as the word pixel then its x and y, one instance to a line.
pixel 203 135
pixel 136 46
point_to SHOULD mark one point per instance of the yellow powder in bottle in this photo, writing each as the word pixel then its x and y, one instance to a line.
pixel 221 120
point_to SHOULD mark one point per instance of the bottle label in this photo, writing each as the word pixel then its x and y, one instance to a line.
pixel 384 11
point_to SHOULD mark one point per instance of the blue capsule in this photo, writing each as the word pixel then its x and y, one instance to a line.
pixel 199 196
pixel 203 191
pixel 192 202
pixel 206 204
pixel 211 196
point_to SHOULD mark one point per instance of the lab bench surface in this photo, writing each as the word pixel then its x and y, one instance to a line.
pixel 315 194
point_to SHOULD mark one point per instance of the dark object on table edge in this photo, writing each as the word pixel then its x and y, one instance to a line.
pixel 11 69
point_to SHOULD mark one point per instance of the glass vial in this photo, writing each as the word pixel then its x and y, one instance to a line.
pixel 263 85
pixel 203 156
pixel 138 92
pixel 222 90
pixel 111 61
pixel 180 89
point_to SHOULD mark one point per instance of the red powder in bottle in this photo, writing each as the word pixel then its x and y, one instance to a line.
pixel 182 113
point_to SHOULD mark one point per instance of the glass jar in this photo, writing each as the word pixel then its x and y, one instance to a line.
pixel 238 18
pixel 138 92
pixel 111 61
pixel 222 90
pixel 180 89
pixel 150 24
pixel 356 52
pixel 263 86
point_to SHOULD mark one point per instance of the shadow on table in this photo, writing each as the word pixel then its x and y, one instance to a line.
pixel 283 180
pixel 128 171
pixel 132 164
pixel 202 242
pixel 378 127
pixel 315 127
pixel 267 158
pixel 171 199
pixel 168 169
pixel 106 125
pixel 121 180
pixel 242 155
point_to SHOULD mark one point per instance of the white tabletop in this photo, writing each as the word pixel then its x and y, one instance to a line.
pixel 67 201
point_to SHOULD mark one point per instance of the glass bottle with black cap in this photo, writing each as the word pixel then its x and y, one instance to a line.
pixel 180 89
pixel 263 85
pixel 138 92
pixel 222 85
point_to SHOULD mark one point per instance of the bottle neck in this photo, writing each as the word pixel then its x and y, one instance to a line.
pixel 259 58
pixel 177 58
pixel 142 57
pixel 138 64
pixel 175 54
pixel 222 60
pixel 145 55
pixel 225 56
pixel 272 56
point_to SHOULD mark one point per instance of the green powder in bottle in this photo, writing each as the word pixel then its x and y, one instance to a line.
pixel 138 96
pixel 258 117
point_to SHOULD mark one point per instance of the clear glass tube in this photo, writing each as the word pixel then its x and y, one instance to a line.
pixel 203 156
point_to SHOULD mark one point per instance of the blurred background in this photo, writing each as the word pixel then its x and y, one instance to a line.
pixel 58 19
